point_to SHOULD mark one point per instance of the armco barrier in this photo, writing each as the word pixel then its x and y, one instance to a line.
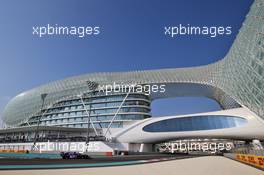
pixel 30 155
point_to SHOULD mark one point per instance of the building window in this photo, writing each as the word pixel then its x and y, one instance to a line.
pixel 195 123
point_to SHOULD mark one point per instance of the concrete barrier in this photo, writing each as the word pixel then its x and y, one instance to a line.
pixel 13 151
pixel 254 160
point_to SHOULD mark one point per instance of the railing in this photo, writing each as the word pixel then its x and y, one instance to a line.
pixel 53 139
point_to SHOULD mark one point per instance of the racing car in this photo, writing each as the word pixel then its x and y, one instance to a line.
pixel 73 155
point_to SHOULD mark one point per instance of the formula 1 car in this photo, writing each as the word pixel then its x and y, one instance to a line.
pixel 73 155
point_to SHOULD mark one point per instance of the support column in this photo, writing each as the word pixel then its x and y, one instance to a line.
pixel 146 147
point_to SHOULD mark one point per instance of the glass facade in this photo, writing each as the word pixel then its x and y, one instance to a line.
pixel 100 107
pixel 195 123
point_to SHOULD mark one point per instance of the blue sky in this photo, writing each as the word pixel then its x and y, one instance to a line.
pixel 132 38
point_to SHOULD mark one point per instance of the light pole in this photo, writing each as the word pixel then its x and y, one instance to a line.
pixel 43 97
pixel 92 86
